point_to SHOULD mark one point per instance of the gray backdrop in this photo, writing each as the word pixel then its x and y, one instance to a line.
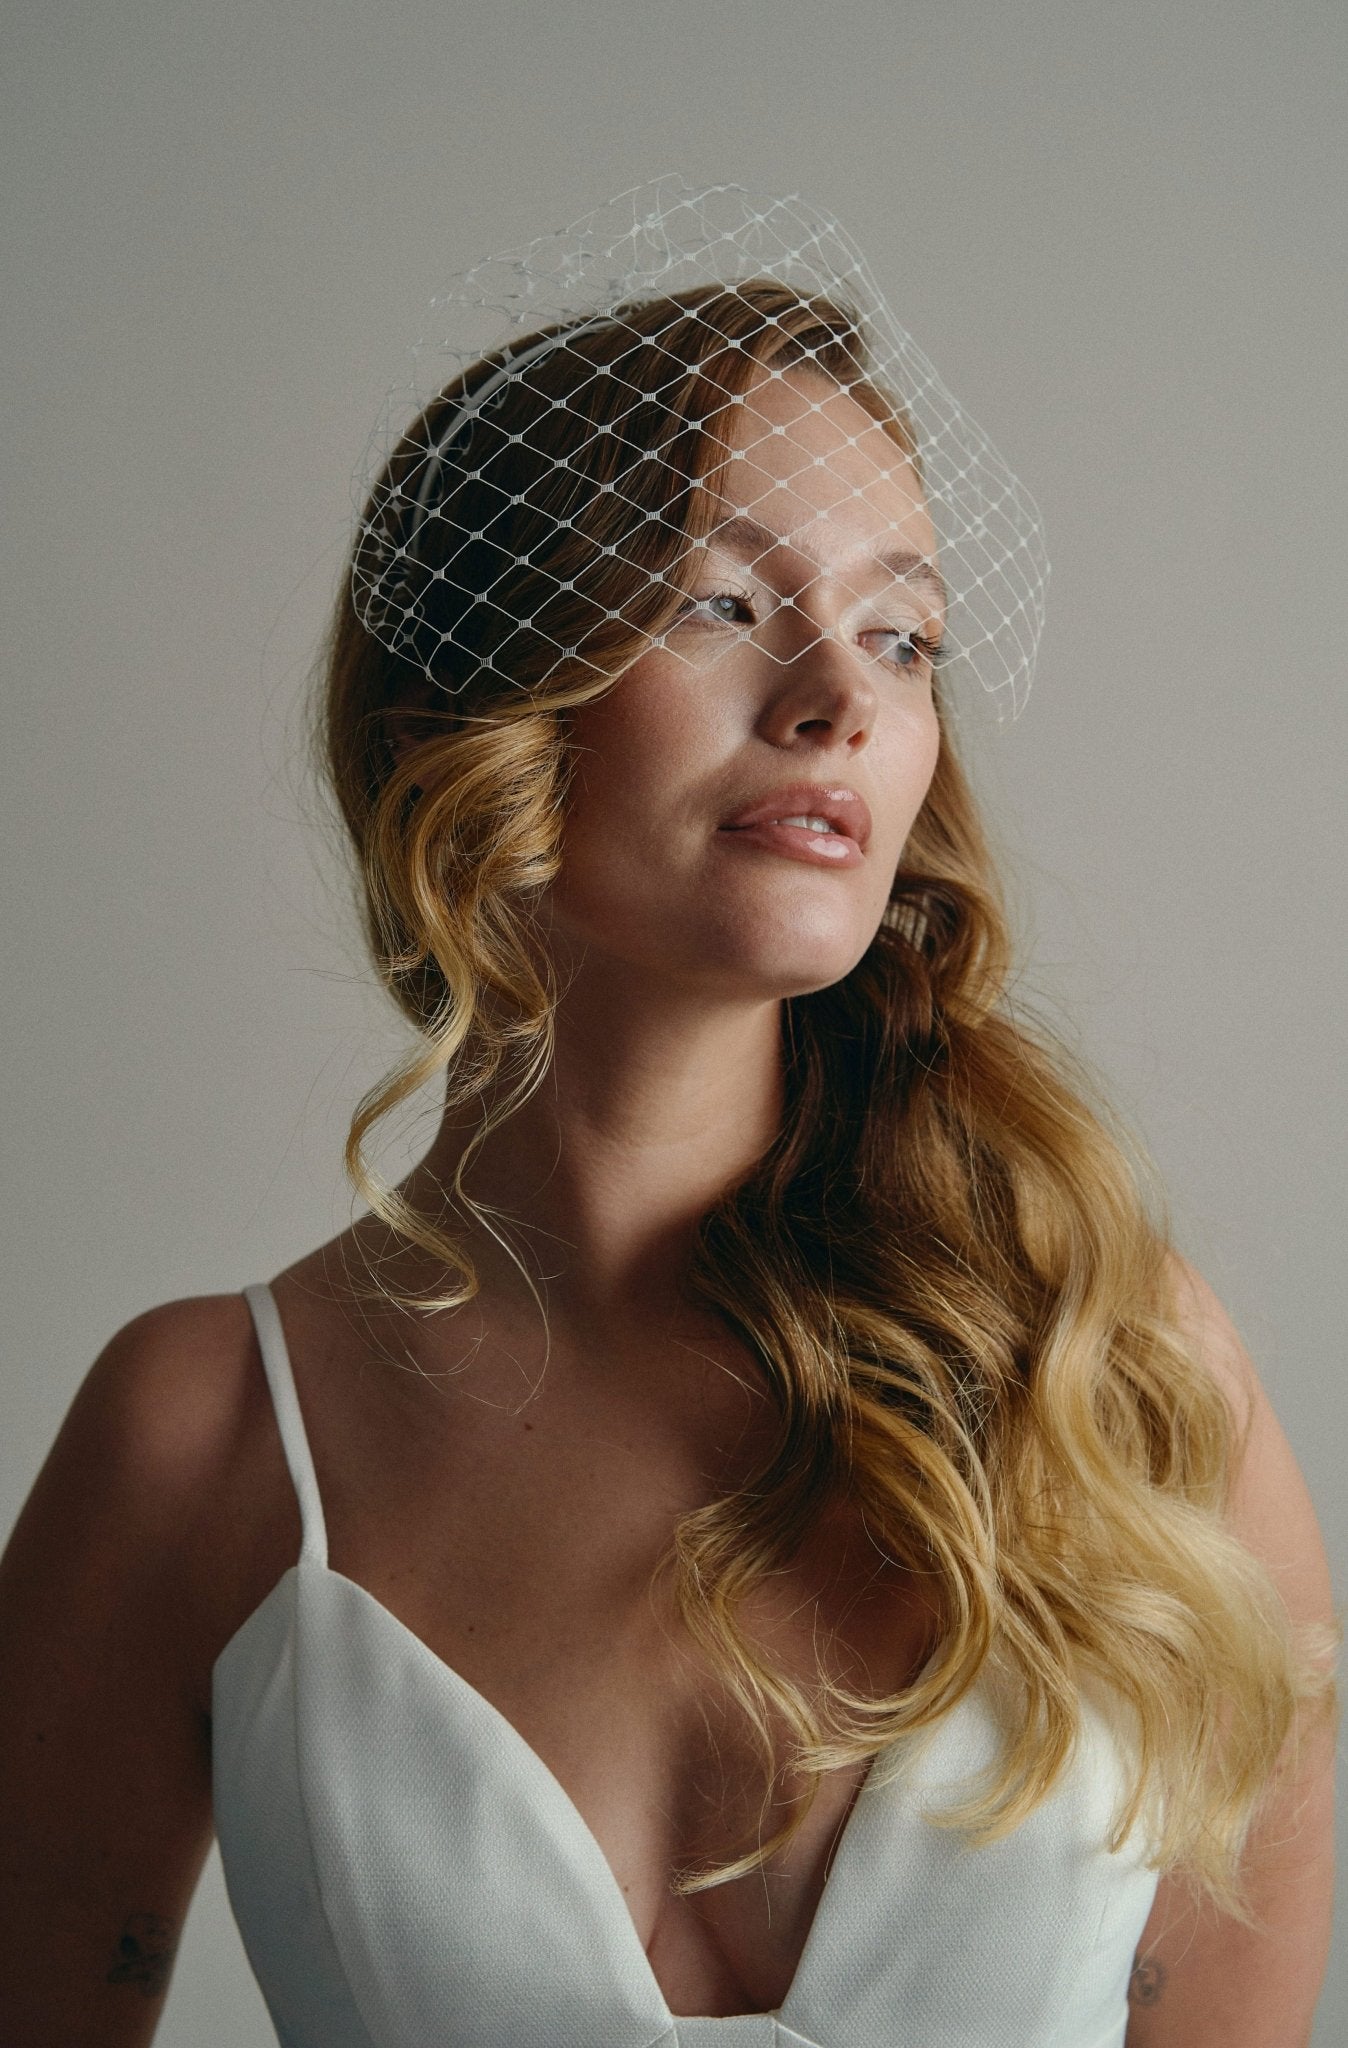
pixel 1118 231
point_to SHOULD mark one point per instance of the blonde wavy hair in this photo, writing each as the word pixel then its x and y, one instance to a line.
pixel 954 1272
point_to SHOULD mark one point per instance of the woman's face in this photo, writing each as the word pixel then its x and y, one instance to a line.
pixel 796 681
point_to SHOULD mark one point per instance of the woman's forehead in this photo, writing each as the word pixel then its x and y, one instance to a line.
pixel 813 468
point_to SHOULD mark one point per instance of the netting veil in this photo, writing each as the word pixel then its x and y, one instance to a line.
pixel 689 420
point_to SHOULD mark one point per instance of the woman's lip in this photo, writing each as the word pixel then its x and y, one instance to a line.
pixel 798 842
pixel 844 810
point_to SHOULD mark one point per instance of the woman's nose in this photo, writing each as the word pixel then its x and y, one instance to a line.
pixel 820 676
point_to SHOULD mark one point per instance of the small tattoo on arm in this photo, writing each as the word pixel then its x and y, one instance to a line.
pixel 144 1954
pixel 1147 1981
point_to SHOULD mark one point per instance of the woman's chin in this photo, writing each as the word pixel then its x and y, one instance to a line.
pixel 798 971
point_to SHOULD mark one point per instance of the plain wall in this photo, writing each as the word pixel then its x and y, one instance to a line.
pixel 1117 230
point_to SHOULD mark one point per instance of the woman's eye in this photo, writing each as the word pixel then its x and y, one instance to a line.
pixel 904 647
pixel 725 607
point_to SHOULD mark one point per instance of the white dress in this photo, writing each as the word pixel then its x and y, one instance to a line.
pixel 406 1872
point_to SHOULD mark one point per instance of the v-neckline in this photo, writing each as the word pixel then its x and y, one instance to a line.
pixel 532 1762
pixel 275 1350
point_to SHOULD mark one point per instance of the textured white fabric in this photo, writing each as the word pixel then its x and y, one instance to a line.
pixel 406 1872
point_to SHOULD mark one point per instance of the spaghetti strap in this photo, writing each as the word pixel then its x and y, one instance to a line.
pixel 289 1420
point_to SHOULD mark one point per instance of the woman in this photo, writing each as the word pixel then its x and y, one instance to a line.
pixel 767 1439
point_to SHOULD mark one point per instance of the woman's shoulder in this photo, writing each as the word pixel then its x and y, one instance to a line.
pixel 1269 1505
pixel 168 1385
pixel 150 1421
pixel 1213 1339
pixel 165 1442
pixel 167 1407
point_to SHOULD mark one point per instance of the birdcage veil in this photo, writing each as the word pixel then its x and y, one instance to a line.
pixel 480 520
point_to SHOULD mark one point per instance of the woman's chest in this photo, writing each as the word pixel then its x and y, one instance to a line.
pixel 472 1752
pixel 557 1619
pixel 521 1552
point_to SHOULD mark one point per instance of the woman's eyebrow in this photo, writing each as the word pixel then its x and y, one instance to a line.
pixel 746 537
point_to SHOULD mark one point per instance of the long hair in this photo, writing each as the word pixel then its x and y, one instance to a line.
pixel 951 1265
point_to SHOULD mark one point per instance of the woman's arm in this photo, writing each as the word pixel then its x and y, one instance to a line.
pixel 1201 1980
pixel 105 1797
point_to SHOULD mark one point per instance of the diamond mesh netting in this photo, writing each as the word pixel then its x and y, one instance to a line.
pixel 689 420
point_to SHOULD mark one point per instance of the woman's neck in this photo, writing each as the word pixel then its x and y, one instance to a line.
pixel 648 1113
